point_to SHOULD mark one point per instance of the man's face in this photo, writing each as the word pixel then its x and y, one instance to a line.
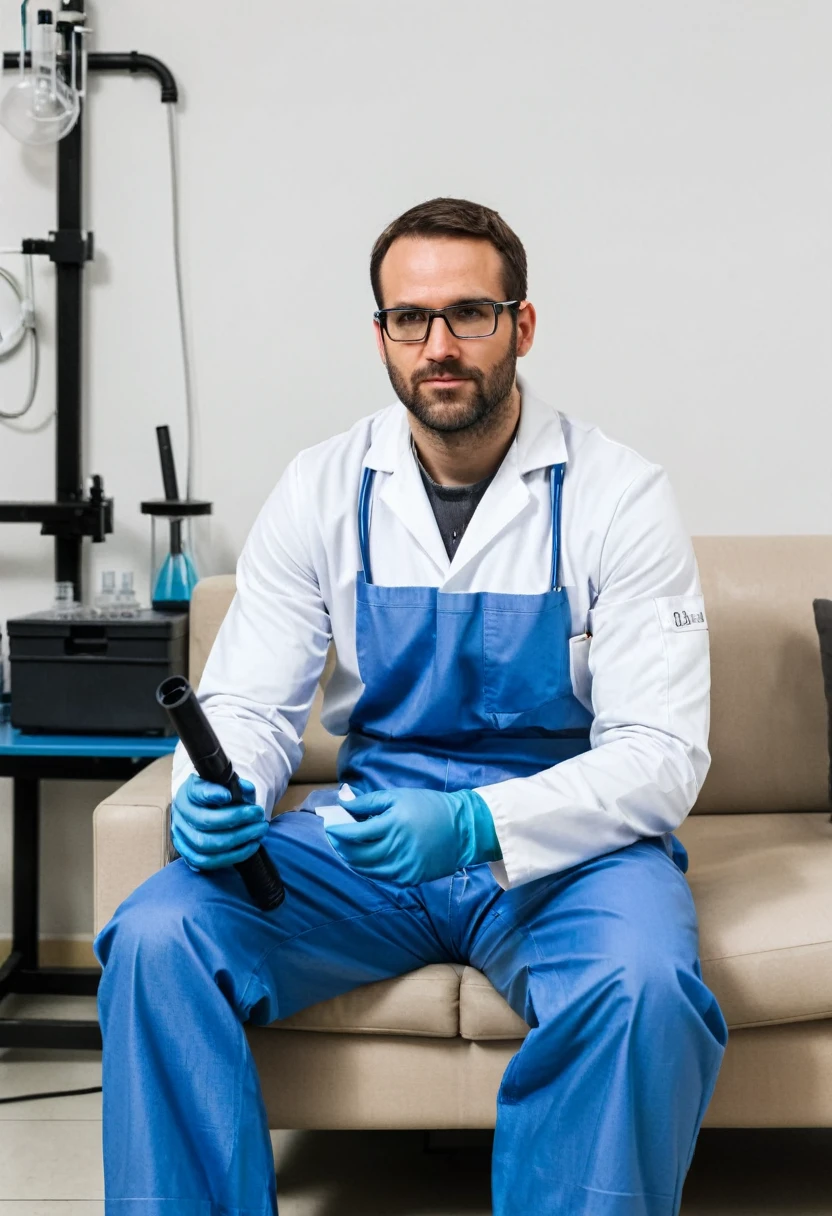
pixel 448 383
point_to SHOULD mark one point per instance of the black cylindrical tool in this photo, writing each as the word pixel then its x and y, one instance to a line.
pixel 171 487
pixel 176 695
pixel 166 460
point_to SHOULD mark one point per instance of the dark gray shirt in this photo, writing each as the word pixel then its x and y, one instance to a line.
pixel 453 507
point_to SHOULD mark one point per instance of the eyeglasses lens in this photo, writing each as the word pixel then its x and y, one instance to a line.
pixel 465 320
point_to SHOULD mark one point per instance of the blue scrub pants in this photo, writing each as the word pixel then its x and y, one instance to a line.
pixel 598 1111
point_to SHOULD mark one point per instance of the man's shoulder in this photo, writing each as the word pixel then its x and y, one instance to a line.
pixel 605 462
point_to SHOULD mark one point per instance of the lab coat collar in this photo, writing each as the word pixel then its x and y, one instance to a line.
pixel 538 444
pixel 539 441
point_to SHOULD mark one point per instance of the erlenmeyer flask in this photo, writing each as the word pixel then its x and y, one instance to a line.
pixel 176 576
pixel 41 108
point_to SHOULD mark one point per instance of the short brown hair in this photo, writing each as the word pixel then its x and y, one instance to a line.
pixel 456 217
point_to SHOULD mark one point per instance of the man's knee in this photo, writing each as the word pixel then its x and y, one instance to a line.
pixel 151 919
pixel 644 982
pixel 648 994
pixel 626 987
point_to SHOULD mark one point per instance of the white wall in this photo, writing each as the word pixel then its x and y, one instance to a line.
pixel 667 165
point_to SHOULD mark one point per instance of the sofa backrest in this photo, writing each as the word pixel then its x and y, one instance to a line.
pixel 768 713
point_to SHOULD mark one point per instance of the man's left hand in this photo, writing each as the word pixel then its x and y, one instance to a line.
pixel 414 836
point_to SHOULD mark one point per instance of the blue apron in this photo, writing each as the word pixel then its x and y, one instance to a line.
pixel 461 689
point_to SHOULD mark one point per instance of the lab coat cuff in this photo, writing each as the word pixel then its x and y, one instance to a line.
pixel 265 794
pixel 510 872
pixel 262 793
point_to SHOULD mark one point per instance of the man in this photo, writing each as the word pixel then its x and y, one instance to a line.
pixel 522 676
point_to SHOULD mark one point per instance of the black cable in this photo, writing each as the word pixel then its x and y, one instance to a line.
pixel 59 1093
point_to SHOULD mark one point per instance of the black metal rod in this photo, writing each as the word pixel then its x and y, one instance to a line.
pixel 52 981
pixel 69 1034
pixel 25 870
pixel 45 512
pixel 69 337
pixel 8 971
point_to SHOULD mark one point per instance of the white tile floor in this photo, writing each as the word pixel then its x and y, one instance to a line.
pixel 50 1156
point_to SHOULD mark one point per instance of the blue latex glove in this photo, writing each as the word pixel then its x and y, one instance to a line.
pixel 414 836
pixel 210 831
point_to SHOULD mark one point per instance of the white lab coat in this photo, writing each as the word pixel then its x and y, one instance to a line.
pixel 632 583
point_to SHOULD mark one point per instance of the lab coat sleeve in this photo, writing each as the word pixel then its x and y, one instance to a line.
pixel 261 675
pixel 650 672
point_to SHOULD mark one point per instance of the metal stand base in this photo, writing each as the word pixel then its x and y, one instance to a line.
pixel 21 972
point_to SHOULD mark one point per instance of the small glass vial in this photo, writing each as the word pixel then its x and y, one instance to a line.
pixel 64 605
pixel 106 598
pixel 126 604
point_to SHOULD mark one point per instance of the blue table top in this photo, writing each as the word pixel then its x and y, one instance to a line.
pixel 14 743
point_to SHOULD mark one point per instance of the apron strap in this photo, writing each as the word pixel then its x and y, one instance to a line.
pixel 365 499
pixel 556 476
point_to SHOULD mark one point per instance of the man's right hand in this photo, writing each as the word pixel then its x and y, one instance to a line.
pixel 209 830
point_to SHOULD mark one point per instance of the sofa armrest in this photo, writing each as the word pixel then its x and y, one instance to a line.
pixel 131 837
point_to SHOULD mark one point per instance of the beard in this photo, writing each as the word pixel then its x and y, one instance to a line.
pixel 447 411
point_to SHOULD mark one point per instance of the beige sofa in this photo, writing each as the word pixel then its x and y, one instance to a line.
pixel 428 1050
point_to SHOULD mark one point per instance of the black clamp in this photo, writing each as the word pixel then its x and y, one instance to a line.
pixel 92 517
pixel 66 247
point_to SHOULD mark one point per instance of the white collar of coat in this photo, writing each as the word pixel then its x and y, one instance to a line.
pixel 539 442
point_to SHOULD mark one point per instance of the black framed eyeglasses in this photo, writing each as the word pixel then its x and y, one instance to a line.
pixel 470 319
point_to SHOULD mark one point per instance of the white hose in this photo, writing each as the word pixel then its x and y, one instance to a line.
pixel 187 368
pixel 180 300
pixel 26 299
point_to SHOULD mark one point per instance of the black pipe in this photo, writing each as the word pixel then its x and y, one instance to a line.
pixel 136 63
pixel 175 694
pixel 106 61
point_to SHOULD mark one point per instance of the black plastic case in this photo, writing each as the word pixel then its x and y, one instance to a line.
pixel 94 676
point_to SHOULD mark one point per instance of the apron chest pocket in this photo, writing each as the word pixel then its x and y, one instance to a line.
pixel 525 656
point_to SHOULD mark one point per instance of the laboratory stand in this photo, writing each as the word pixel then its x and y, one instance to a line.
pixel 27 760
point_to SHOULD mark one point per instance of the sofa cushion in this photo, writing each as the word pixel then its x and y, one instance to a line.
pixel 762 885
pixel 483 1013
pixel 763 890
pixel 425 1003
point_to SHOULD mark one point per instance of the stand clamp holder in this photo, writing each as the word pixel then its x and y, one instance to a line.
pixel 66 247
